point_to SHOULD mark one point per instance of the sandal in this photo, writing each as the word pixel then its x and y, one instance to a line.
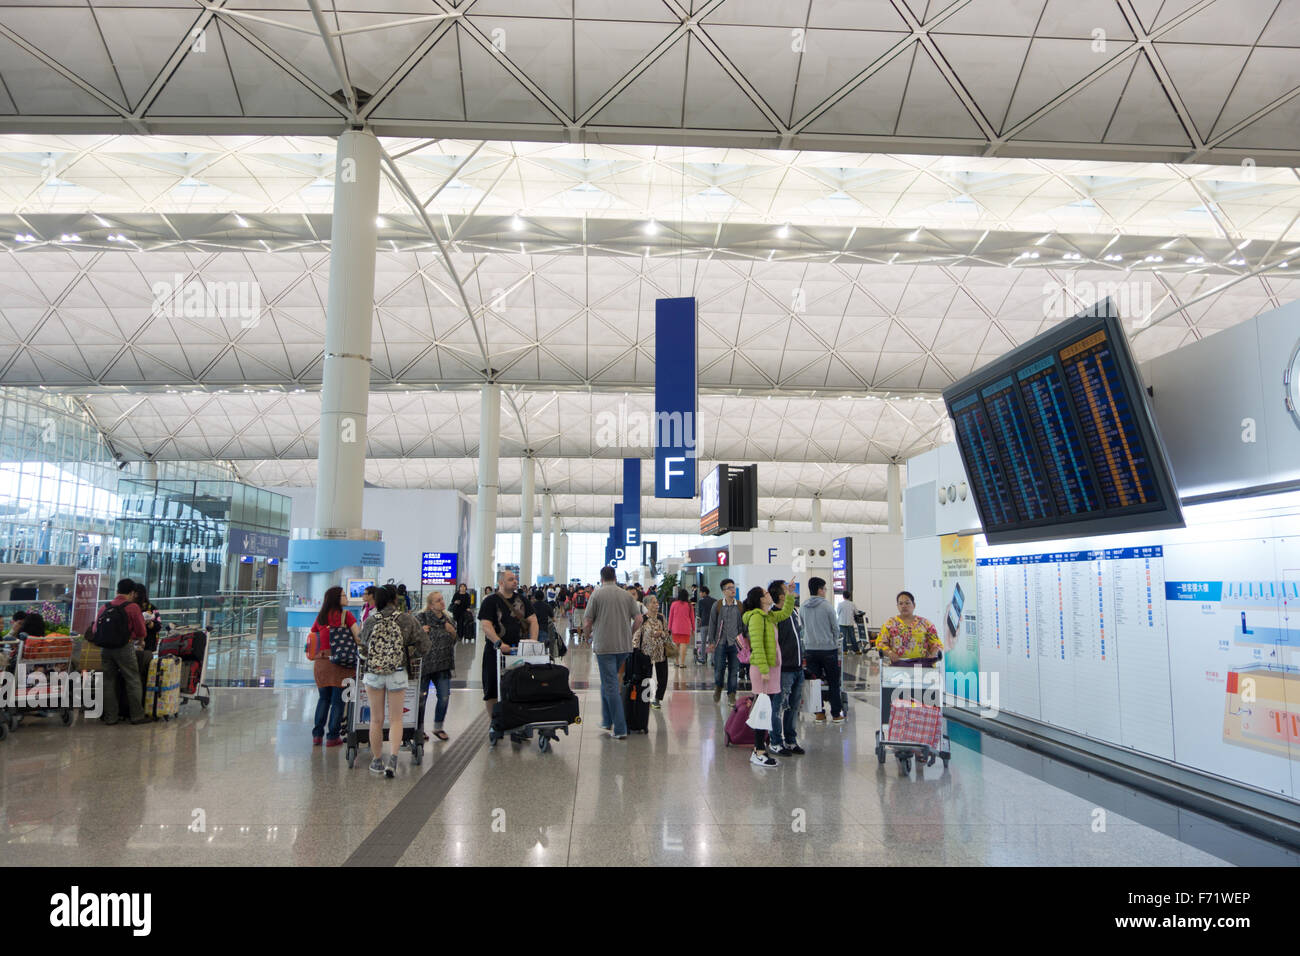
pixel 441 735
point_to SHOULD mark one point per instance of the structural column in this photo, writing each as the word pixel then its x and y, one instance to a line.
pixel 817 513
pixel 526 514
pixel 485 514
pixel 556 570
pixel 349 317
pixel 894 495
pixel 771 524
pixel 562 568
pixel 548 518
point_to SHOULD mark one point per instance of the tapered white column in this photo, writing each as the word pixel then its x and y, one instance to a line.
pixel 771 524
pixel 349 317
pixel 526 515
pixel 563 574
pixel 485 514
pixel 556 568
pixel 817 513
pixel 548 518
pixel 894 494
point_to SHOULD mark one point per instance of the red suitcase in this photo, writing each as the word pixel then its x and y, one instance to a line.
pixel 739 733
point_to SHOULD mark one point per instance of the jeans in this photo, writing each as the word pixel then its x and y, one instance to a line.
pixel 849 637
pixel 726 658
pixel 775 738
pixel 442 687
pixel 611 697
pixel 826 666
pixel 783 732
pixel 330 705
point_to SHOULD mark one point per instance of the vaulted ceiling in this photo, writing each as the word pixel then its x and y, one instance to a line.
pixel 869 201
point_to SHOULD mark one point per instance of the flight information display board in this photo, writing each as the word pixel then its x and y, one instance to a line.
pixel 1058 440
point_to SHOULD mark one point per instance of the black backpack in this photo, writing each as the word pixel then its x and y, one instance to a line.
pixel 112 630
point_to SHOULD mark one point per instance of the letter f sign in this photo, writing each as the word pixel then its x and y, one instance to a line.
pixel 670 473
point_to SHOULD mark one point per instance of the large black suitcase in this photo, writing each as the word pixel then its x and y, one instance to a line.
pixel 509 714
pixel 639 667
pixel 535 683
pixel 636 708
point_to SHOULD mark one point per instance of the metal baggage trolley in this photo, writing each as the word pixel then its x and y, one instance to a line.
pixel 191 646
pixel 547 731
pixel 54 654
pixel 910 677
pixel 357 717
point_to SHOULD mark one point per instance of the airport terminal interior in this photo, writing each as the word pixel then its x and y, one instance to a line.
pixel 717 432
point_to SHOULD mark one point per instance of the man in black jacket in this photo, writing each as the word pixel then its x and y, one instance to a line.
pixel 789 637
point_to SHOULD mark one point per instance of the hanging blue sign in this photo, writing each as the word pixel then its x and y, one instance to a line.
pixel 631 522
pixel 676 411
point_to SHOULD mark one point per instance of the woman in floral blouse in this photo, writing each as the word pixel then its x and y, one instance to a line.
pixel 906 636
pixel 652 637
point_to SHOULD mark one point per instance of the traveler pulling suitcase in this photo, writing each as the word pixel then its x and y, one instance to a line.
pixel 737 732
pixel 548 705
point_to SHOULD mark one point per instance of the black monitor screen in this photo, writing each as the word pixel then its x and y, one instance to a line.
pixel 1058 440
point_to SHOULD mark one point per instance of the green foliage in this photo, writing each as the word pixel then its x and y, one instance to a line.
pixel 667 588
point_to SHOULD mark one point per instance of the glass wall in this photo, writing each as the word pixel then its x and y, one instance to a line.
pixel 587 551
pixel 58 482
pixel 184 537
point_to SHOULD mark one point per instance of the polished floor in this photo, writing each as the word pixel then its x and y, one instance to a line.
pixel 241 784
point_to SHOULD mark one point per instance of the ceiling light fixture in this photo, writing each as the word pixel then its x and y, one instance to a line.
pixel 379 221
pixel 240 221
pixel 783 232
pixel 652 228
pixel 516 223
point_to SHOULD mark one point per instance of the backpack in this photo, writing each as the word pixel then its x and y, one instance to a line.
pixel 343 647
pixel 386 646
pixel 112 630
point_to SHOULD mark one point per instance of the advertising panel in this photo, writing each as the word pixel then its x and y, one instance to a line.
pixel 959 628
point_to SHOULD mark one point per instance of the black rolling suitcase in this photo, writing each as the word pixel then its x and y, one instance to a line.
pixel 508 715
pixel 636 708
pixel 535 683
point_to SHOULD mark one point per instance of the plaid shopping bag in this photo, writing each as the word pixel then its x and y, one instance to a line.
pixel 912 722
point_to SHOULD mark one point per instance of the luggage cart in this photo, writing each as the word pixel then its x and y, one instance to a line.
pixel 356 718
pixel 547 731
pixel 910 677
pixel 54 654
pixel 191 647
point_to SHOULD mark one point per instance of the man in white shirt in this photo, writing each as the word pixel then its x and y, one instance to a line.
pixel 848 627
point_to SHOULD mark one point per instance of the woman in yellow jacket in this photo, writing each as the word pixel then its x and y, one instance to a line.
pixel 765 657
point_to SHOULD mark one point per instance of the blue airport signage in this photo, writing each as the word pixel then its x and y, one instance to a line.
pixel 676 408
pixel 438 568
pixel 331 554
pixel 261 543
pixel 631 523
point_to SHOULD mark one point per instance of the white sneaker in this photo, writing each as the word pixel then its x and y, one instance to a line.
pixel 762 760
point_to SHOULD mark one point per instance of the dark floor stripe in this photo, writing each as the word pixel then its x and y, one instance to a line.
pixel 397 831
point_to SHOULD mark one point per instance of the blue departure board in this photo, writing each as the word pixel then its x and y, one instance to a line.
pixel 1057 437
pixel 1032 498
pixel 976 440
pixel 1109 425
pixel 1058 440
